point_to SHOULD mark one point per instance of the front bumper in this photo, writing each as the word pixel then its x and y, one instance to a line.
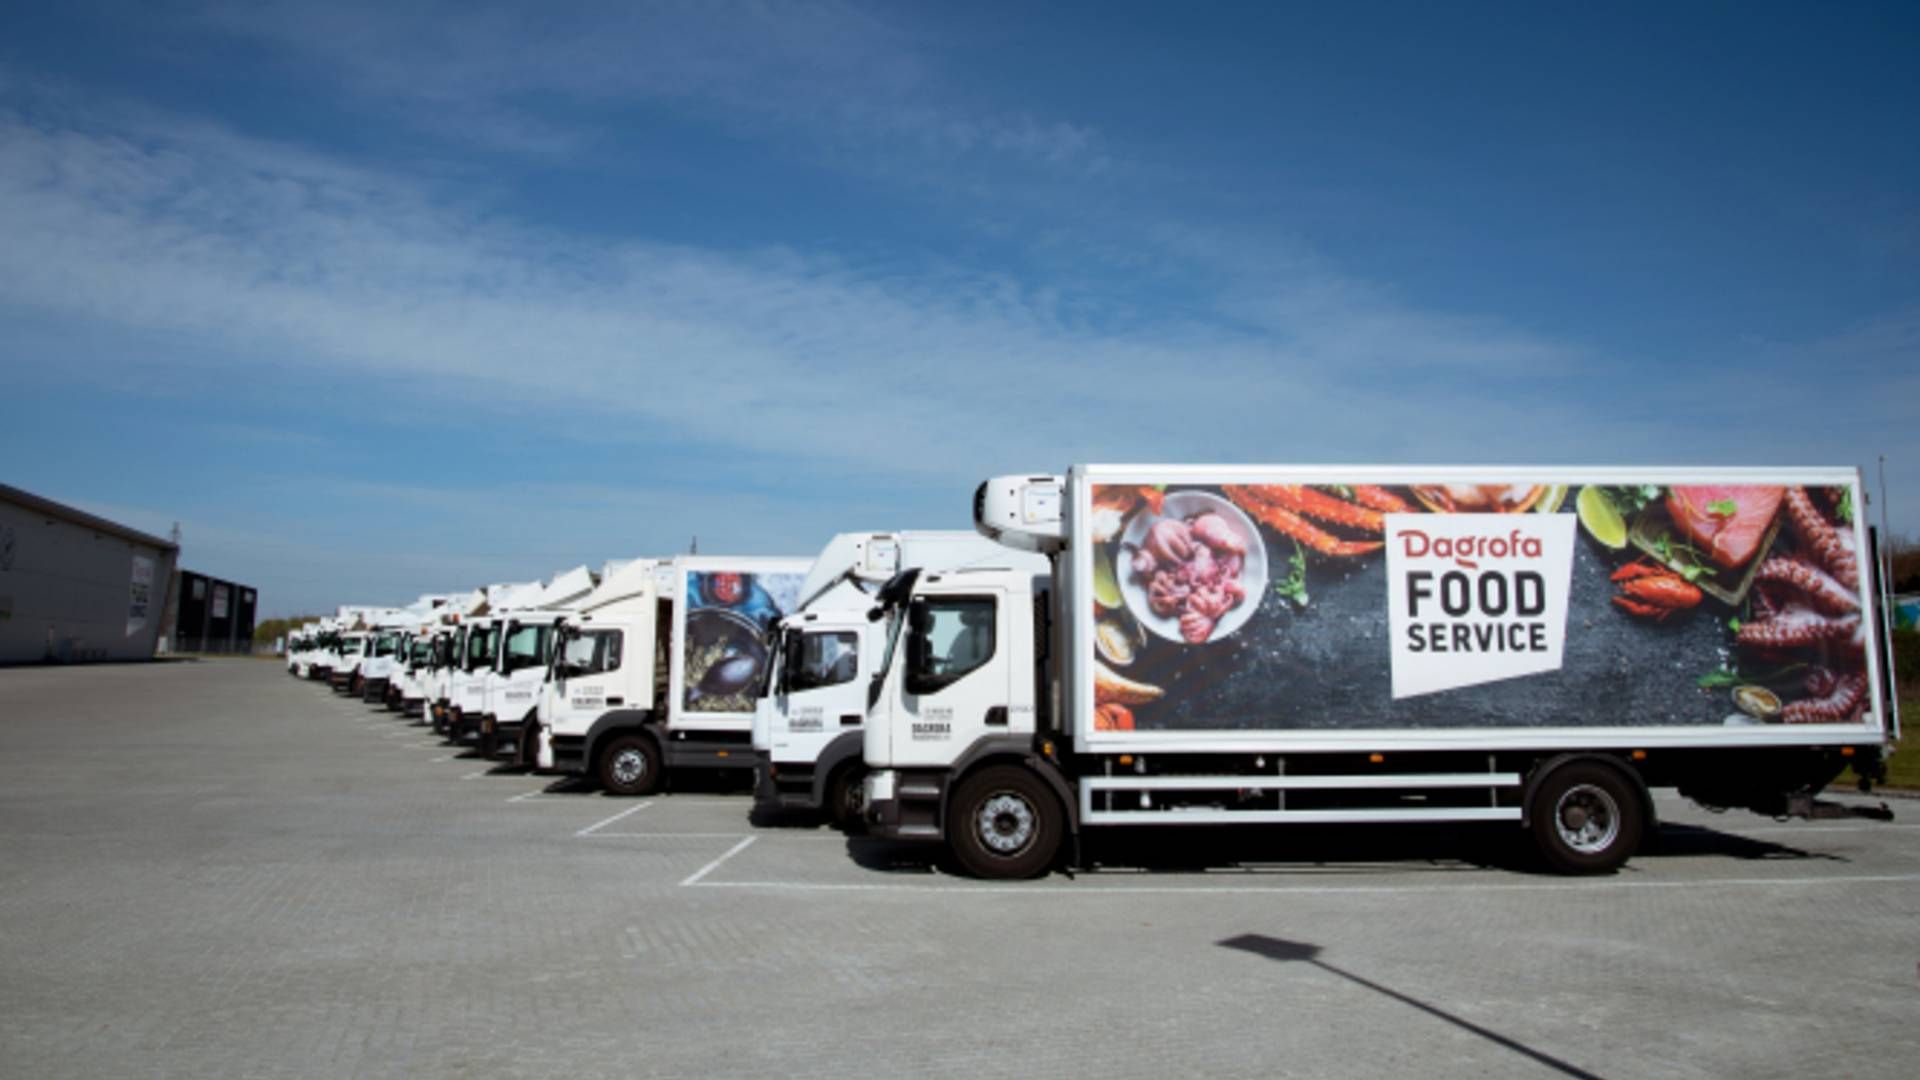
pixel 373 690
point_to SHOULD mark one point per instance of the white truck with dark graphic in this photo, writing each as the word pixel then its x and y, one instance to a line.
pixel 1537 647
pixel 808 737
pixel 660 668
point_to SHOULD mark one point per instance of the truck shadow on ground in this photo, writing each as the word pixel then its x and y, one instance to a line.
pixel 1335 850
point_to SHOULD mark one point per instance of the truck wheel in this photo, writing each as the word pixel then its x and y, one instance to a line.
pixel 1586 818
pixel 847 798
pixel 630 765
pixel 1003 822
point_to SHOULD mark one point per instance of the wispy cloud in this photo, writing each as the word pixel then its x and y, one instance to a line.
pixel 288 261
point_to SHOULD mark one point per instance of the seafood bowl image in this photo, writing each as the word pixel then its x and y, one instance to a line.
pixel 726 656
pixel 1194 572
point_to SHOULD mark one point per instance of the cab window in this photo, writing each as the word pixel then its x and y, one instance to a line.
pixel 826 658
pixel 948 637
pixel 525 647
pixel 591 652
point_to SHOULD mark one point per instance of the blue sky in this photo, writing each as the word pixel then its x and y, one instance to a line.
pixel 380 299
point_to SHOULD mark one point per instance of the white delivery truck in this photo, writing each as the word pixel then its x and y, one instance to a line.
pixel 479 651
pixel 407 693
pixel 510 693
pixel 343 664
pixel 1252 644
pixel 807 729
pixel 660 669
pixel 376 670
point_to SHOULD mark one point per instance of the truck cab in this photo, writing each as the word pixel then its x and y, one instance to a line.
pixel 377 669
pixel 956 698
pixel 467 679
pixel 660 670
pixel 809 725
pixel 511 692
pixel 343 673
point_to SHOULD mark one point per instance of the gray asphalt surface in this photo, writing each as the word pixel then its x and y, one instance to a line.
pixel 209 869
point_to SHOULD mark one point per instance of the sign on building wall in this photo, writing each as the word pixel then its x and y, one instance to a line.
pixel 140 595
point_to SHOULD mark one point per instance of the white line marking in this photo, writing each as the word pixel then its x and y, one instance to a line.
pixel 525 796
pixel 1315 890
pixel 476 775
pixel 1863 827
pixel 694 878
pixel 448 757
pixel 598 825
pixel 667 836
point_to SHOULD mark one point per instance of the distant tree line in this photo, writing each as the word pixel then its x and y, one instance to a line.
pixel 266 633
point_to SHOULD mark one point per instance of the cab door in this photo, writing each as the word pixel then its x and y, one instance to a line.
pixel 955 683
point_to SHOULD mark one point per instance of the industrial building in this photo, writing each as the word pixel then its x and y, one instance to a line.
pixel 75 587
pixel 211 615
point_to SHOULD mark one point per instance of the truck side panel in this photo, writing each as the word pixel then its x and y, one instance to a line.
pixel 1334 608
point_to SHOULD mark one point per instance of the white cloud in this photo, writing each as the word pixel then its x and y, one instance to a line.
pixel 269 253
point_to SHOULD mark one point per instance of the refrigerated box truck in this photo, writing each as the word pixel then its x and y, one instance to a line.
pixel 660 667
pixel 807 732
pixel 1253 644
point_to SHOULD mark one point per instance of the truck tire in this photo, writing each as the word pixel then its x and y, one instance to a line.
pixel 846 798
pixel 1004 822
pixel 1586 818
pixel 630 765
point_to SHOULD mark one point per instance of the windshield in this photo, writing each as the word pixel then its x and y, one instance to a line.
pixel 421 652
pixel 384 645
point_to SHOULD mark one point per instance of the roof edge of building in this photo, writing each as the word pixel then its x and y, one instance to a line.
pixel 28 499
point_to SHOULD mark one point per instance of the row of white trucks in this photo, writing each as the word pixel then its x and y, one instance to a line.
pixel 1204 646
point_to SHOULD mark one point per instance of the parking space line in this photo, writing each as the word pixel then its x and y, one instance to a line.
pixel 1862 827
pixel 448 757
pixel 694 878
pixel 598 825
pixel 1310 890
pixel 668 836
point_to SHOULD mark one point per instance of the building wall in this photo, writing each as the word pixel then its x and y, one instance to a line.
pixel 70 591
pixel 212 615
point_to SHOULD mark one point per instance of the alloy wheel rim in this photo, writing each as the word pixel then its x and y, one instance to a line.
pixel 1587 818
pixel 1006 823
pixel 629 766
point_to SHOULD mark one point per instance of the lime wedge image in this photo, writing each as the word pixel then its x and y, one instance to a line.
pixel 1551 499
pixel 1106 587
pixel 1601 518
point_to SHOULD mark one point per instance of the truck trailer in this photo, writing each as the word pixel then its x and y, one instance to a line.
pixel 1539 647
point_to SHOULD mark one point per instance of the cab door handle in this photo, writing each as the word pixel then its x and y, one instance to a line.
pixel 850 719
pixel 616 701
pixel 997 716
